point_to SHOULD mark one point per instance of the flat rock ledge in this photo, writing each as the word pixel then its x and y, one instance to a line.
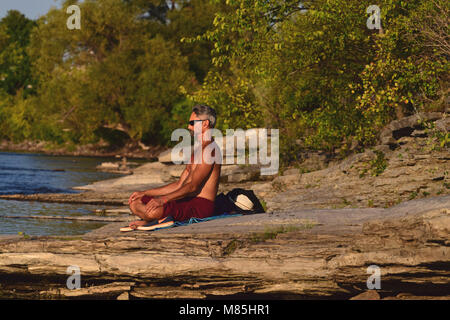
pixel 298 254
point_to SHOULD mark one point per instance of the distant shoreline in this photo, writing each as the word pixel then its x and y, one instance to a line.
pixel 88 150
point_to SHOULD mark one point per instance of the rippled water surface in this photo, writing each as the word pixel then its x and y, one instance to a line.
pixel 25 173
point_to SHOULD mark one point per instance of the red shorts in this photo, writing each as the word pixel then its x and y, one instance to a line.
pixel 186 208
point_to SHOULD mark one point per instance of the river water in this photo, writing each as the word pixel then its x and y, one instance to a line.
pixel 26 173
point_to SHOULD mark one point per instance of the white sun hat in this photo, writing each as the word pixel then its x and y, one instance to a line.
pixel 243 202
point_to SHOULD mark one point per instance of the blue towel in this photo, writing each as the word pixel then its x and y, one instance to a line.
pixel 197 220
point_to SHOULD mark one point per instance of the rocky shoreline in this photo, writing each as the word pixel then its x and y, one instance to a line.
pixel 326 223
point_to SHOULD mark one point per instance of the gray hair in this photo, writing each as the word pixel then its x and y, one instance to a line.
pixel 201 109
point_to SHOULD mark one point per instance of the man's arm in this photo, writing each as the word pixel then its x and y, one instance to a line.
pixel 198 174
pixel 171 187
pixel 192 185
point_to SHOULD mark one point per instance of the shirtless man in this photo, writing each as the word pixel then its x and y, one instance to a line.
pixel 194 193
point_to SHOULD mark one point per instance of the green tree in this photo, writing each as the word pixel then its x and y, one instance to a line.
pixel 191 19
pixel 410 71
pixel 115 73
pixel 314 69
pixel 15 73
pixel 294 62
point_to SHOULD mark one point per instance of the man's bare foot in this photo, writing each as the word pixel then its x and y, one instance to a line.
pixel 137 223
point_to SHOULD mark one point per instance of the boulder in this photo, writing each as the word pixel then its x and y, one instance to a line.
pixel 443 124
pixel 176 170
pixel 406 126
pixel 108 165
pixel 367 295
pixel 166 157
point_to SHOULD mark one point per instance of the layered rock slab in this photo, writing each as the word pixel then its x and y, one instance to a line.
pixel 316 253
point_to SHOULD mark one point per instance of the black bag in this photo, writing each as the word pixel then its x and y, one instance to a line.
pixel 229 203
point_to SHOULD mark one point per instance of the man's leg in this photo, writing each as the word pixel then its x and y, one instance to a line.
pixel 138 209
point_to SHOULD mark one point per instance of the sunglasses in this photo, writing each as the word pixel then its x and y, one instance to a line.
pixel 192 122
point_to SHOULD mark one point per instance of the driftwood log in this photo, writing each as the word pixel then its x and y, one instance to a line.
pixel 309 253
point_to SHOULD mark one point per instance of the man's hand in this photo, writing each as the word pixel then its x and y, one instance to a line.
pixel 154 204
pixel 135 195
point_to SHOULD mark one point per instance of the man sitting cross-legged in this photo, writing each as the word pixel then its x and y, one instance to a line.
pixel 194 193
